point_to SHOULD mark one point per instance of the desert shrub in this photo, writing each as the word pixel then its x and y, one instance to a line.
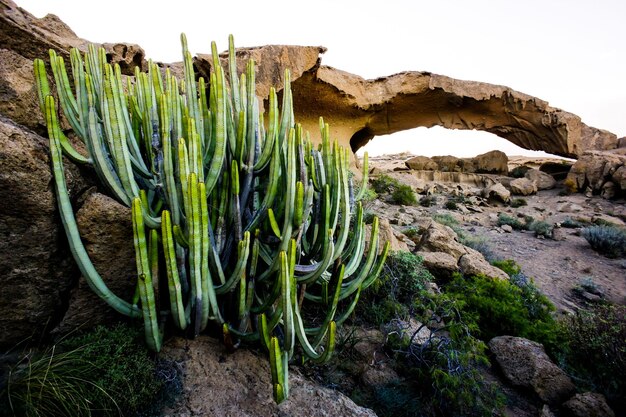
pixel 412 233
pixel 428 200
pixel 480 244
pixel 403 277
pixel 368 196
pixel 119 361
pixel 498 307
pixel 509 266
pixel 518 202
pixel 573 223
pixel 606 240
pixel 447 220
pixel 587 284
pixel 384 184
pixel 504 218
pixel 368 216
pixel 403 194
pixel 541 228
pixel 596 352
pixel 451 205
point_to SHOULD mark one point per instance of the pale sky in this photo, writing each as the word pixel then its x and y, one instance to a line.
pixel 569 53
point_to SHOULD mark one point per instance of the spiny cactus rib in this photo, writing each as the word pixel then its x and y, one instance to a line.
pixel 173 279
pixel 69 222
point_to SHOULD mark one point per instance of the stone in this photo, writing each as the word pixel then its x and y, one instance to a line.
pixel 568 207
pixel 474 263
pixel 412 331
pixel 588 404
pixel 217 383
pixel 497 192
pixel 18 93
pixel 542 180
pixel 523 186
pixel 448 163
pixel 127 56
pixel 557 170
pixel 36 271
pixel 493 162
pixel 421 163
pixel 546 412
pixel 594 168
pixel 107 233
pixel 440 264
pixel 609 190
pixel 440 238
pixel 507 228
pixel 526 364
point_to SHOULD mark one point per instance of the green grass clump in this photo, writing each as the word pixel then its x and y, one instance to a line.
pixel 509 266
pixel 518 202
pixel 384 184
pixel 607 240
pixel 121 363
pixel 573 223
pixel 541 228
pixel 504 218
pixel 447 220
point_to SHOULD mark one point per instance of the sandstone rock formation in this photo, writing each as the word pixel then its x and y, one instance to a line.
pixel 523 186
pixel 595 170
pixel 217 383
pixel 588 404
pixel 525 364
pixel 493 162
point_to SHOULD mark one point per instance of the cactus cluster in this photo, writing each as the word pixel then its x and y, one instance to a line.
pixel 237 216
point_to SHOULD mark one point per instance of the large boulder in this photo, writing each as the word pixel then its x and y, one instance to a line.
pixel 421 163
pixel 440 264
pixel 440 238
pixel 35 267
pixel 492 162
pixel 474 263
pixel 497 192
pixel 588 404
pixel 107 233
pixel 526 364
pixel 217 383
pixel 594 169
pixel 542 180
pixel 523 186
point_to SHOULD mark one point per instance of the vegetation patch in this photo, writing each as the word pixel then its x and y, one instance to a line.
pixel 518 202
pixel 606 240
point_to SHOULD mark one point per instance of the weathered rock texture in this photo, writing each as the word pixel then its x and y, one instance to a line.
pixel 217 383
pixel 526 364
pixel 588 404
pixel 492 162
pixel 595 170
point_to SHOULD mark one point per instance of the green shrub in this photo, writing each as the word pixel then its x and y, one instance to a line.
pixel 504 218
pixel 447 220
pixel 606 240
pixel 120 362
pixel 498 307
pixel 509 266
pixel 573 223
pixel 596 351
pixel 384 184
pixel 412 233
pixel 541 228
pixel 518 202
pixel 403 277
pixel 428 200
pixel 451 205
pixel 403 194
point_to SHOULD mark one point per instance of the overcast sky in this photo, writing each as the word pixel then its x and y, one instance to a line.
pixel 569 53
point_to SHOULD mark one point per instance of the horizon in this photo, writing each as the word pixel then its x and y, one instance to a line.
pixel 568 54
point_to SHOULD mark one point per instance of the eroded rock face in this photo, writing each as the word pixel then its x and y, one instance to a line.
pixel 525 364
pixel 588 404
pixel 523 186
pixel 216 383
pixel 595 169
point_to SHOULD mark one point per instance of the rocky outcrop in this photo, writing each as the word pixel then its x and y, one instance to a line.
pixel 542 180
pixel 492 162
pixel 523 186
pixel 596 171
pixel 497 192
pixel 588 404
pixel 525 364
pixel 217 383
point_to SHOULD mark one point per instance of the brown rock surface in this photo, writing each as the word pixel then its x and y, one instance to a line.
pixel 35 269
pixel 588 404
pixel 594 169
pixel 421 163
pixel 525 364
pixel 541 179
pixel 106 231
pixel 474 263
pixel 492 162
pixel 216 383
pixel 523 186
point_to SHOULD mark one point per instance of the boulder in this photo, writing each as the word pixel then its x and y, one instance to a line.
pixel 557 170
pixel 523 186
pixel 493 162
pixel 594 169
pixel 474 263
pixel 588 404
pixel 421 163
pixel 497 192
pixel 36 270
pixel 526 364
pixel 107 233
pixel 387 233
pixel 440 238
pixel 440 264
pixel 542 180
pixel 217 383
pixel 448 163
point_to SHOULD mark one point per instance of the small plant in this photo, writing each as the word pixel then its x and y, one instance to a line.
pixel 384 184
pixel 596 352
pixel 447 220
pixel 428 201
pixel 412 233
pixel 403 194
pixel 606 240
pixel 518 202
pixel 509 266
pixel 573 223
pixel 570 186
pixel 587 284
pixel 541 228
pixel 505 219
pixel 451 205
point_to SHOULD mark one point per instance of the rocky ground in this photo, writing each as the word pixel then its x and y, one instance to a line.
pixel 558 265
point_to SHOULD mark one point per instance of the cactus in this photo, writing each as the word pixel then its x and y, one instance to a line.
pixel 202 169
